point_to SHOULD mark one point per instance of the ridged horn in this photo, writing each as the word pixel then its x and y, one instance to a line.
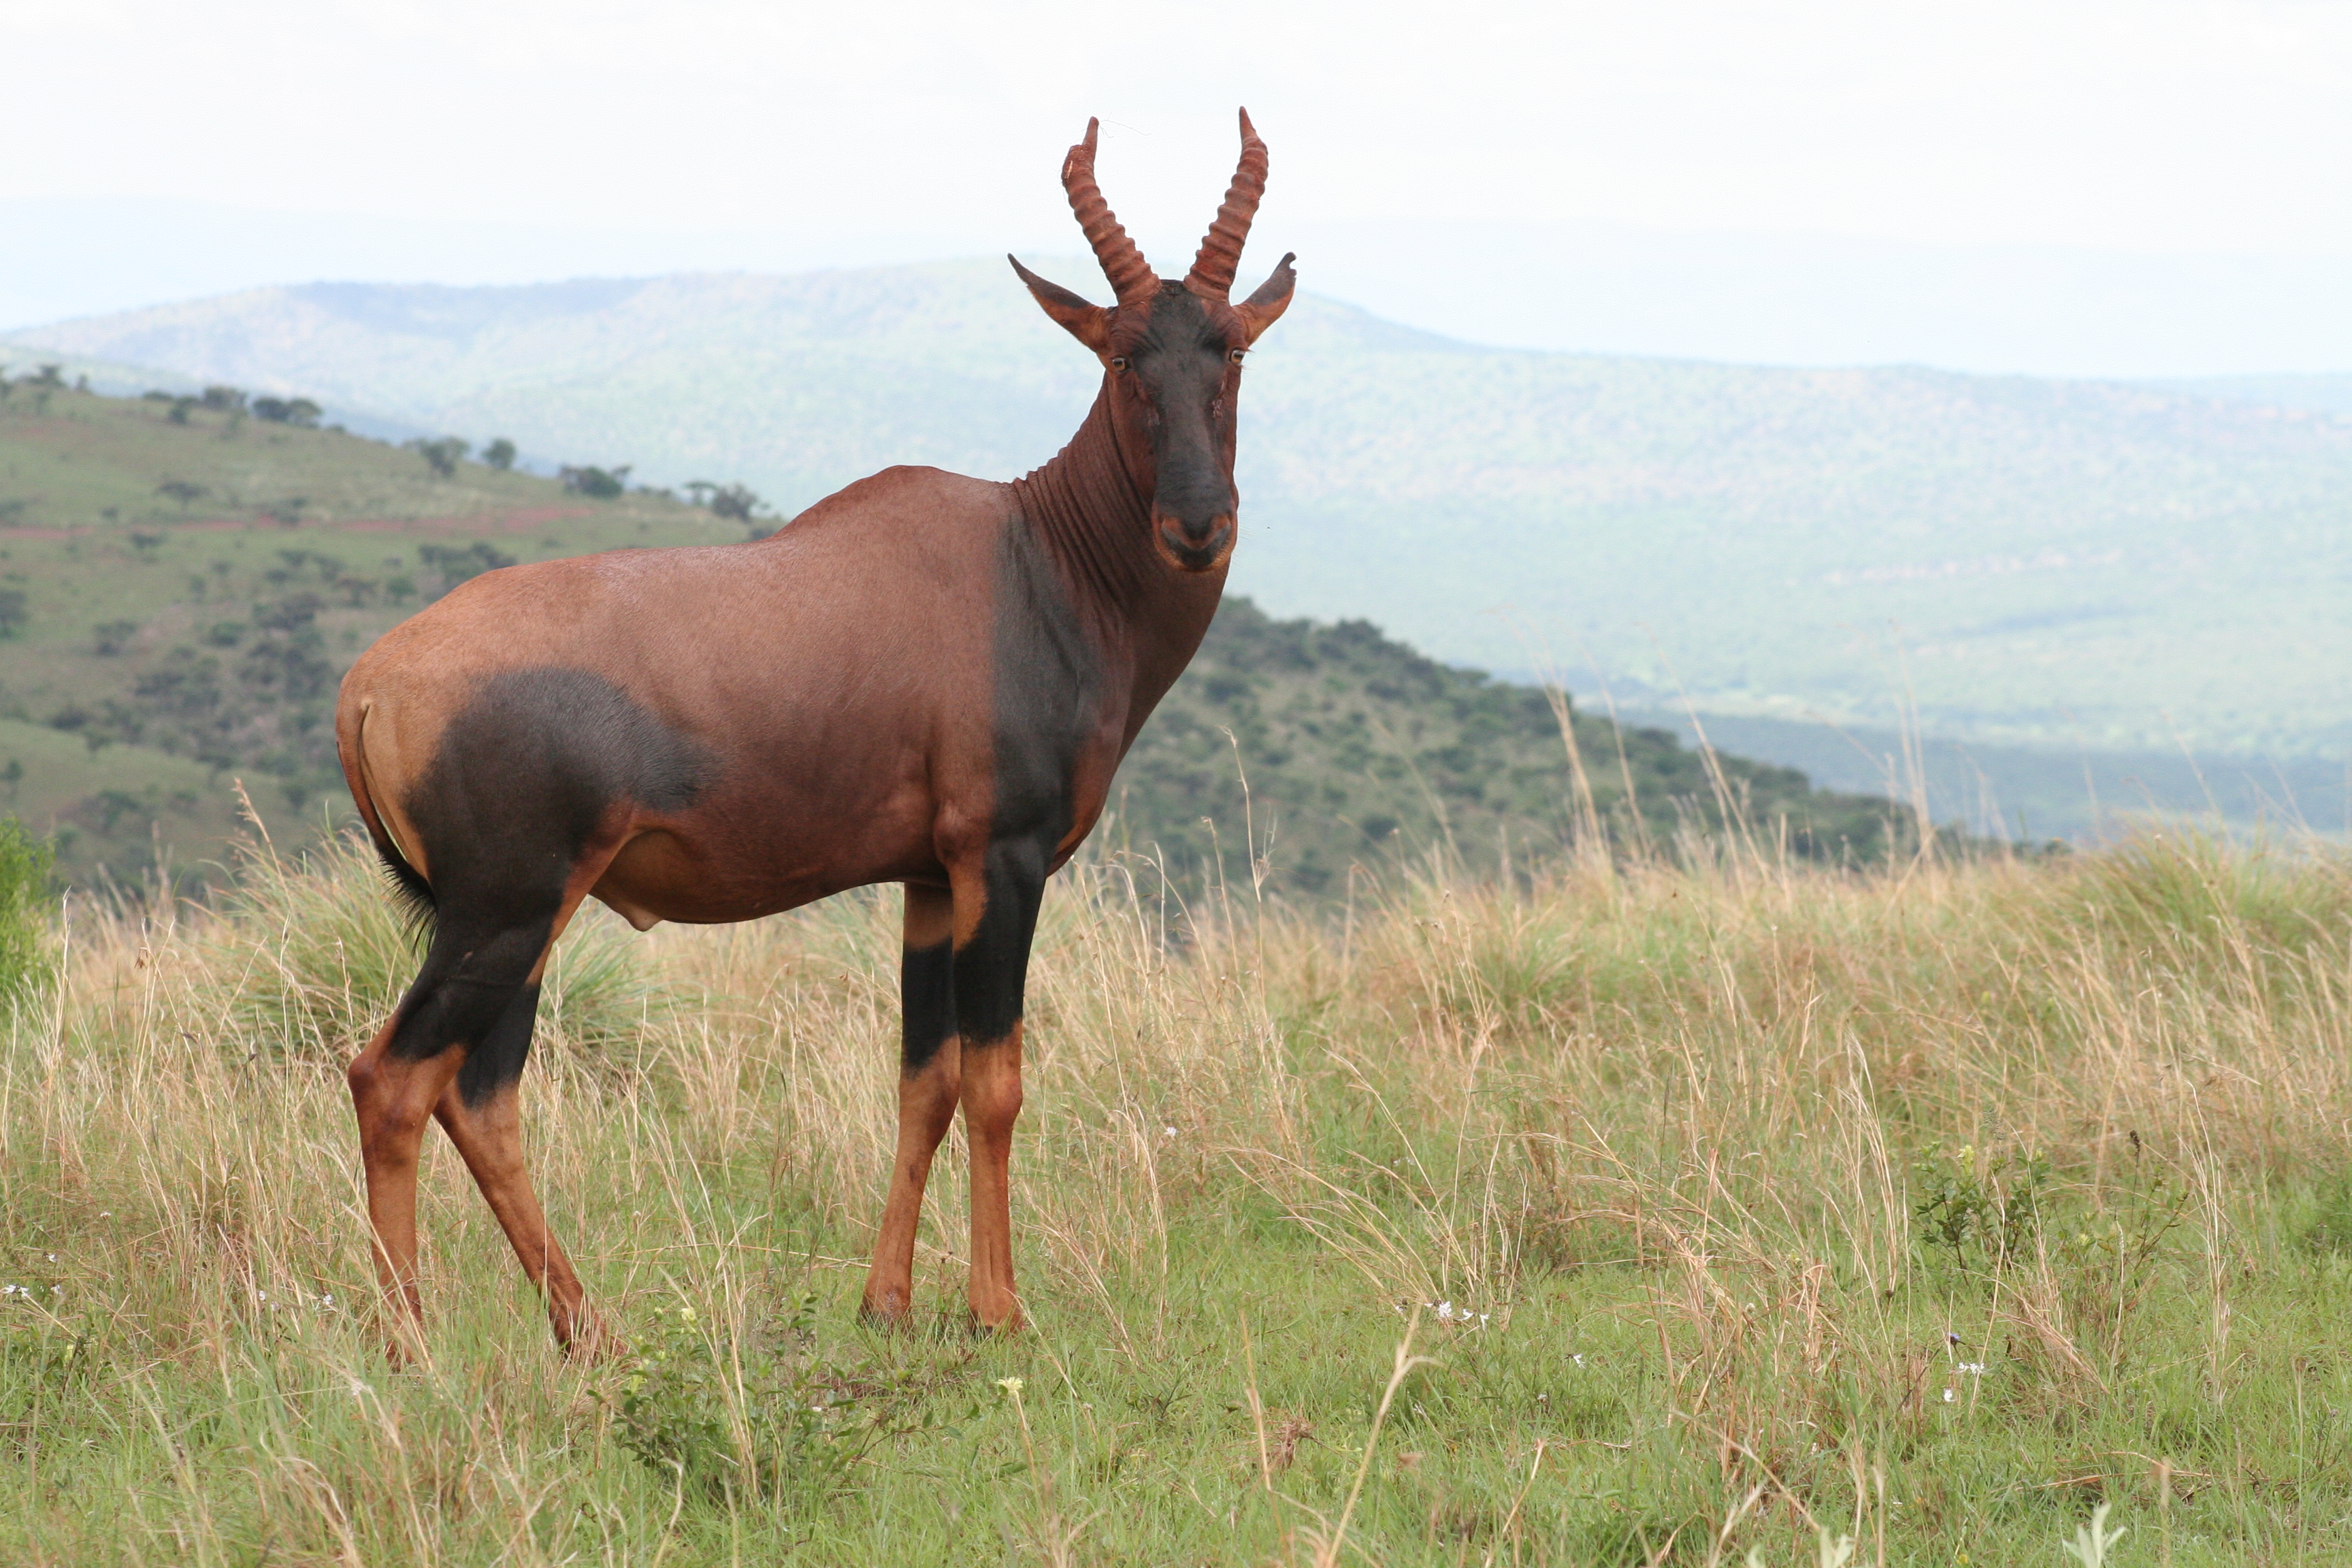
pixel 1130 276
pixel 1221 247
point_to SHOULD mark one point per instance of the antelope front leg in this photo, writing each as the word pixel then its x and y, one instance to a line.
pixel 929 1080
pixel 996 917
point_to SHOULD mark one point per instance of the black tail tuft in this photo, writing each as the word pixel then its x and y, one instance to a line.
pixel 414 893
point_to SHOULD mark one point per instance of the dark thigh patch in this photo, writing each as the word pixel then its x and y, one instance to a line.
pixel 526 773
pixel 530 766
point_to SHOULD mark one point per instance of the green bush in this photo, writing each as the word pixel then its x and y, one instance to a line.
pixel 25 866
pixel 753 1418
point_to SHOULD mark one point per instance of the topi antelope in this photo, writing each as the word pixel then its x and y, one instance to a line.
pixel 926 679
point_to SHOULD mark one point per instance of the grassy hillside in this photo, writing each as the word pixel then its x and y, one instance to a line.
pixel 2030 560
pixel 157 653
pixel 1312 748
pixel 178 598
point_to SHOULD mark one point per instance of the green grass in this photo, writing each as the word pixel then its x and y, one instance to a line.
pixel 1716 1161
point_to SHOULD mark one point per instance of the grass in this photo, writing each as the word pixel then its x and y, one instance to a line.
pixel 1700 1214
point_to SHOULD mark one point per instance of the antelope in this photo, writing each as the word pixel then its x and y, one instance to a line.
pixel 924 678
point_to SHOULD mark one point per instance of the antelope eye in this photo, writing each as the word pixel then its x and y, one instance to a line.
pixel 1236 354
pixel 1118 363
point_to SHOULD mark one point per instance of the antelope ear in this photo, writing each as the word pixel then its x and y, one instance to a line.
pixel 1266 307
pixel 1087 321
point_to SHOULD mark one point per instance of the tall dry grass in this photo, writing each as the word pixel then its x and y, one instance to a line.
pixel 1735 1171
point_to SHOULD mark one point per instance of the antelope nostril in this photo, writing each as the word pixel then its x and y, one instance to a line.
pixel 1196 548
pixel 1194 532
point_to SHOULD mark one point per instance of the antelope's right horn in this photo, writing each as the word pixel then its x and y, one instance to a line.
pixel 1130 276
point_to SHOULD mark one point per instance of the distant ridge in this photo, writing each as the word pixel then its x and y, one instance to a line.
pixel 2032 560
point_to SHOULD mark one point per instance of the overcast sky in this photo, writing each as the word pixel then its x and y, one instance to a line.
pixel 595 136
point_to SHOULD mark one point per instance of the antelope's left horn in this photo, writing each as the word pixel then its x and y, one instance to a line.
pixel 1221 247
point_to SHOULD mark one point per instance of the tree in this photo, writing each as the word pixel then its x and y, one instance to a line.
pixel 180 407
pixel 458 564
pixel 299 411
pixel 12 612
pixel 51 376
pixel 600 484
pixel 442 456
pixel 223 399
pixel 738 501
pixel 112 637
pixel 180 490
pixel 500 454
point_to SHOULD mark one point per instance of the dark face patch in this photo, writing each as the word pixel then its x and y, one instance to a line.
pixel 1184 367
pixel 526 773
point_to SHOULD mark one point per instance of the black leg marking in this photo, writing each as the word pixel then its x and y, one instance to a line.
pixel 496 1061
pixel 476 994
pixel 927 1003
pixel 992 970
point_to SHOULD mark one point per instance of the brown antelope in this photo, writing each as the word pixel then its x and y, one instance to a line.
pixel 926 679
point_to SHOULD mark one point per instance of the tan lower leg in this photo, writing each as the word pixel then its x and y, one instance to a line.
pixel 488 1136
pixel 992 1103
pixel 393 1098
pixel 927 1102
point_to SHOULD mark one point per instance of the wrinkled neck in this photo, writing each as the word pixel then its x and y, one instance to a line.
pixel 1092 509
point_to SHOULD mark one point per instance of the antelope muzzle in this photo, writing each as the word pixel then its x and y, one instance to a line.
pixel 1194 546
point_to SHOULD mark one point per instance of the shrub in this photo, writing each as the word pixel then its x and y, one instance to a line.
pixel 751 1418
pixel 500 454
pixel 462 563
pixel 442 456
pixel 26 863
pixel 336 949
pixel 598 484
pixel 288 410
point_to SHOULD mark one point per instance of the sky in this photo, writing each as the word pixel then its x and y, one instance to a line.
pixel 2070 186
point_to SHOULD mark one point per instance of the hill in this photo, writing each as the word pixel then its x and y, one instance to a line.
pixel 2035 560
pixel 184 586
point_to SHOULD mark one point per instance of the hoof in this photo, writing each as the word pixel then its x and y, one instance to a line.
pixel 980 1327
pixel 589 1343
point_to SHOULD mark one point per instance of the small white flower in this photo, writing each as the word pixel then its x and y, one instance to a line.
pixel 1950 1396
pixel 1012 1386
pixel 1170 1132
pixel 51 1257
pixel 106 1213
pixel 1577 1358
pixel 360 1390
pixel 1973 1368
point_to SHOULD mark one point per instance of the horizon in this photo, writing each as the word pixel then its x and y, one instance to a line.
pixel 1462 330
